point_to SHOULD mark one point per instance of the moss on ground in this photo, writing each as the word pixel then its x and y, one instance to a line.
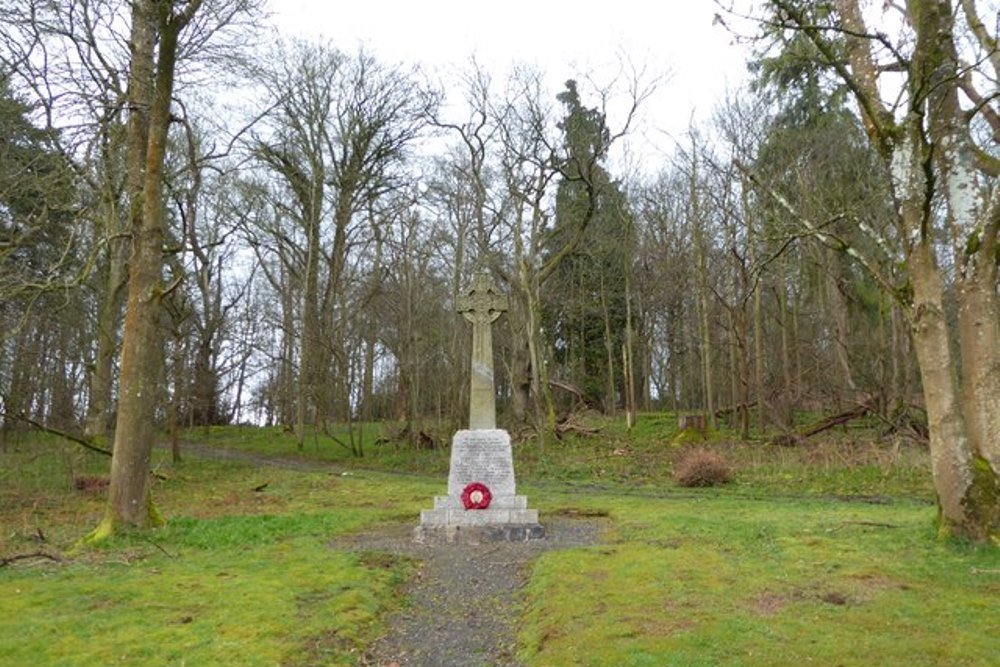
pixel 716 581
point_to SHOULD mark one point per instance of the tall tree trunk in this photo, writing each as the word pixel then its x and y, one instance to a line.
pixel 949 443
pixel 978 330
pixel 628 347
pixel 973 202
pixel 978 321
pixel 758 319
pixel 935 135
pixel 841 327
pixel 111 300
pixel 610 398
pixel 129 502
pixel 310 358
pixel 24 360
pixel 206 409
pixel 734 373
pixel 287 388
pixel 705 334
pixel 521 373
pixel 174 417
pixel 899 395
pixel 743 347
pixel 797 371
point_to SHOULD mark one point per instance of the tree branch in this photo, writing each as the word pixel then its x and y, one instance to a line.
pixel 826 238
pixel 7 560
pixel 863 81
pixel 83 442
pixel 987 41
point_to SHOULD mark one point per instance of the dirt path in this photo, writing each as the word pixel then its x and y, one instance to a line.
pixel 464 599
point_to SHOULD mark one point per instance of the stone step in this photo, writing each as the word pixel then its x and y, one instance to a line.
pixel 497 532
pixel 464 517
pixel 496 503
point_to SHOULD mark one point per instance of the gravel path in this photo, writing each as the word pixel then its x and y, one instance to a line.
pixel 464 599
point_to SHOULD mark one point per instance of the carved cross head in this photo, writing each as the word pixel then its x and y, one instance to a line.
pixel 482 303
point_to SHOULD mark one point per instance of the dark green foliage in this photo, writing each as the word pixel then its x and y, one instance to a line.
pixel 816 155
pixel 35 196
pixel 791 71
pixel 584 302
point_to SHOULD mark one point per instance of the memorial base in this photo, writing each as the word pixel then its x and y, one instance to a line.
pixel 483 456
pixel 481 534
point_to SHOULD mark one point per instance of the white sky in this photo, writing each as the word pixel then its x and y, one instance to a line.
pixel 675 39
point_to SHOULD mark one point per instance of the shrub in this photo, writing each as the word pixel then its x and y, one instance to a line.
pixel 90 483
pixel 701 467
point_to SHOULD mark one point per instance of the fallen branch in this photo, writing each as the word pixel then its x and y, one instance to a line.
pixel 7 560
pixel 165 552
pixel 792 439
pixel 569 423
pixel 874 524
pixel 836 420
pixel 83 442
pixel 569 388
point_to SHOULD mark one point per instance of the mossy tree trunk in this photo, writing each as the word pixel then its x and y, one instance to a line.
pixel 155 30
pixel 110 302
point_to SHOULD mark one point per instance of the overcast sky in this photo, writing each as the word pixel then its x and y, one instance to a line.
pixel 676 40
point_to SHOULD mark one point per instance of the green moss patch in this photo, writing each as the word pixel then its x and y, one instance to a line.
pixel 719 581
pixel 238 576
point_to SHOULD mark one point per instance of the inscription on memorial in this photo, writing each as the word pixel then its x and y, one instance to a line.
pixel 481 456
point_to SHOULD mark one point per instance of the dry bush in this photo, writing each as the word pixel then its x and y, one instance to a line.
pixel 701 467
pixel 90 483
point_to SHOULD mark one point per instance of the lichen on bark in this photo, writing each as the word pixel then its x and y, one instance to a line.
pixel 983 503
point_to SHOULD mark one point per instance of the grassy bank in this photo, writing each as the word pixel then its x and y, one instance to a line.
pixel 849 461
pixel 717 581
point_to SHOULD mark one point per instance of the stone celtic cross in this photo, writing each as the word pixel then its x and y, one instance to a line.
pixel 481 305
pixel 481 456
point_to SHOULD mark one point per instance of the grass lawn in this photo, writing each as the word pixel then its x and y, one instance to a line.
pixel 824 554
pixel 720 581
pixel 237 577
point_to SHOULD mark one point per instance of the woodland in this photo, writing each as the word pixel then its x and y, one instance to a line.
pixel 202 225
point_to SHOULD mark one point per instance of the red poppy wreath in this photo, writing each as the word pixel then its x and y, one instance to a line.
pixel 476 496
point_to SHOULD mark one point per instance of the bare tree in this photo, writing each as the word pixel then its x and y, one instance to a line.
pixel 339 135
pixel 928 142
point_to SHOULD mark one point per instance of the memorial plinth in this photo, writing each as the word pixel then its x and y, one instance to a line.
pixel 481 456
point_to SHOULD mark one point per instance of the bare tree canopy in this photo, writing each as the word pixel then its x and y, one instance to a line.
pixel 203 223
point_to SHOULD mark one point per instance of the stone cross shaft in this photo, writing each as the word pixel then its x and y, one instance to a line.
pixel 482 304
